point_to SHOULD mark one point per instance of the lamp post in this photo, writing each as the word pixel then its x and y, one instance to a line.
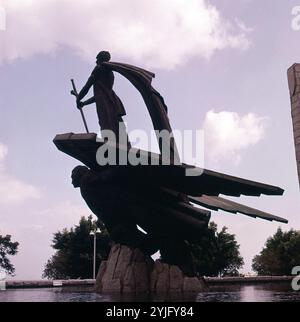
pixel 94 233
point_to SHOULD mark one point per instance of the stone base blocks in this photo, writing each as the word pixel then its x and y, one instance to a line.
pixel 130 271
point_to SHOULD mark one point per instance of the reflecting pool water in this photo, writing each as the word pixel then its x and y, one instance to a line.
pixel 244 293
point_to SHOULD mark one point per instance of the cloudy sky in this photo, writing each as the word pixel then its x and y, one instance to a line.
pixel 220 65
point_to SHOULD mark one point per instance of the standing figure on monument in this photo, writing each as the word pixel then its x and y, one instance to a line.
pixel 110 109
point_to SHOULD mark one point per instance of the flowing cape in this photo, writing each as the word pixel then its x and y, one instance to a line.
pixel 141 79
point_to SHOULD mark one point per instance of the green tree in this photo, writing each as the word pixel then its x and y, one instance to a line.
pixel 217 253
pixel 74 251
pixel 280 254
pixel 7 248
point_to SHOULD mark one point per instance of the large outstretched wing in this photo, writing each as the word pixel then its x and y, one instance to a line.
pixel 203 190
pixel 218 203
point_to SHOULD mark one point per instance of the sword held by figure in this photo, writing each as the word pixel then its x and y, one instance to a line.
pixel 75 93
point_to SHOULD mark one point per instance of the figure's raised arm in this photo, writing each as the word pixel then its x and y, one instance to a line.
pixel 86 88
pixel 89 101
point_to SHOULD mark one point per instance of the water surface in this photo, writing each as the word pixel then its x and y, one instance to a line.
pixel 245 293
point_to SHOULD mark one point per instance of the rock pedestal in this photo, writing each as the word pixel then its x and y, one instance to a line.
pixel 130 271
pixel 126 270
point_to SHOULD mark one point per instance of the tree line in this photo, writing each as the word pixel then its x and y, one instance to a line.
pixel 216 254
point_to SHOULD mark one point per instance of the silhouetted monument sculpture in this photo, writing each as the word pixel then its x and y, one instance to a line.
pixel 110 109
pixel 160 198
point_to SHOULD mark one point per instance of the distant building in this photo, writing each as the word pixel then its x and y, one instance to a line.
pixel 294 86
